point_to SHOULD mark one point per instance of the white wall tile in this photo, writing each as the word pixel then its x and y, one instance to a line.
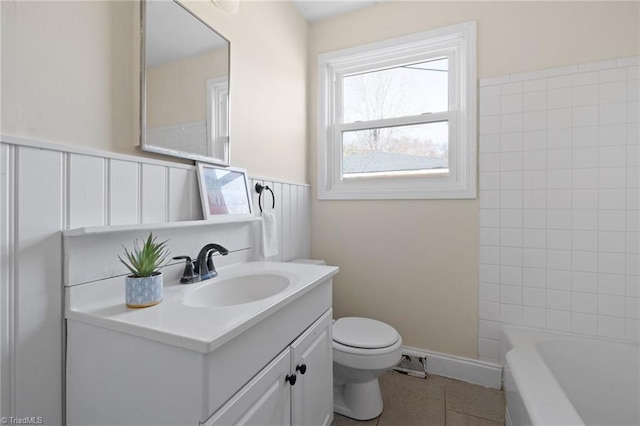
pixel 534 257
pixel 489 143
pixel 535 85
pixel 558 219
pixel 489 292
pixel 511 88
pixel 489 329
pixel 534 219
pixel 584 240
pixel 535 297
pixel 612 75
pixel 560 138
pixel 585 220
pixel 558 158
pixel 489 124
pixel 611 220
pixel 585 136
pixel 585 157
pixel 511 218
pixel 535 101
pixel 584 178
pixel 510 104
pixel 628 61
pixel 534 277
pixel 535 238
pixel 536 160
pixel 534 317
pixel 489 348
pixel 511 122
pixel 584 281
pixel 561 212
pixel 511 314
pixel 584 323
pixel 584 199
pixel 510 180
pixel 595 66
pixel 585 116
pixel 585 95
pixel 586 78
pixel 611 327
pixel 613 113
pixel 511 294
pixel 559 300
pixel 558 279
pixel 584 302
pixel 489 105
pixel 534 120
pixel 511 142
pixel 490 162
pixel 613 92
pixel 558 320
pixel 612 284
pixel 612 177
pixel 560 98
pixel 534 140
pixel 585 261
pixel 489 311
pixel 560 118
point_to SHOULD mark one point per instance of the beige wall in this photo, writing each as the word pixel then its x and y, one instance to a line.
pixel 70 76
pixel 413 264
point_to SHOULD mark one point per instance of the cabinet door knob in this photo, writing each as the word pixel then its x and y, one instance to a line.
pixel 302 368
pixel 291 379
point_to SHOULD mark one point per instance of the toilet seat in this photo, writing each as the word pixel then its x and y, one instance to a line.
pixel 364 334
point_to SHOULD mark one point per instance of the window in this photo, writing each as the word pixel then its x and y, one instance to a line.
pixel 397 119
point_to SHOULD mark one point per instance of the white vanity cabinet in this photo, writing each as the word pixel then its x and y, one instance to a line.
pixel 159 366
pixel 295 388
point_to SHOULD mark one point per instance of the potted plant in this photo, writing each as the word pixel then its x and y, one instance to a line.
pixel 144 285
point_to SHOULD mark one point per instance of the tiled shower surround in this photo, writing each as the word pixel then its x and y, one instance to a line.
pixel 559 201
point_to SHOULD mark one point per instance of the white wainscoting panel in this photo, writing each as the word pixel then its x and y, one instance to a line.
pixel 47 188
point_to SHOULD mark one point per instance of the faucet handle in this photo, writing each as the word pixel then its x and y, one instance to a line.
pixel 188 276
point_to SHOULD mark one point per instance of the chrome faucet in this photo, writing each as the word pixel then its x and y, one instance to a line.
pixel 202 268
pixel 204 263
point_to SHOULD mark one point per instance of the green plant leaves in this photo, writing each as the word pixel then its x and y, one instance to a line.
pixel 145 261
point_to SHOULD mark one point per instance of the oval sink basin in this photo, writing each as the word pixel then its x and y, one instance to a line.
pixel 236 290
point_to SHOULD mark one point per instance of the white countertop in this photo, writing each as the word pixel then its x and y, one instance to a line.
pixel 102 304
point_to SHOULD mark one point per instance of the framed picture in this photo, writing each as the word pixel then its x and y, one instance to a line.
pixel 223 191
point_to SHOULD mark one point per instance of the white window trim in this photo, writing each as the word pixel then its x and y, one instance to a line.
pixel 457 40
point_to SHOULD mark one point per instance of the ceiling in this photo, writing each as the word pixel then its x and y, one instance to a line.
pixel 317 10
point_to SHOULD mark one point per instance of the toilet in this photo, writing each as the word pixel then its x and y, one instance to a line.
pixel 363 350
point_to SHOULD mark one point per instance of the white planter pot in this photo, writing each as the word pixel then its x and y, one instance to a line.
pixel 143 292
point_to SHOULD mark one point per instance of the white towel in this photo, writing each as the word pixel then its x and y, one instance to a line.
pixel 269 234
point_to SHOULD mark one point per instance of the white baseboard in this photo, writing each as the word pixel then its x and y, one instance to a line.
pixel 468 370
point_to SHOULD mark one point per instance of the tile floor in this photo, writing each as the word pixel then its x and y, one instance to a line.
pixel 410 401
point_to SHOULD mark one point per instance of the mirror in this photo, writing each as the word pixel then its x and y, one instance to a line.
pixel 184 84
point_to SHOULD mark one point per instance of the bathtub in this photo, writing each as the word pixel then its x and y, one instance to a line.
pixel 558 379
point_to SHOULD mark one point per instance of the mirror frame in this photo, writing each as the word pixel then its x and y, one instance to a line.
pixel 143 98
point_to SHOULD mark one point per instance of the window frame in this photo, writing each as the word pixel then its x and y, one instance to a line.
pixel 458 44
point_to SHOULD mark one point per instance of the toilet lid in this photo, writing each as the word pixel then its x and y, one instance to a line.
pixel 364 333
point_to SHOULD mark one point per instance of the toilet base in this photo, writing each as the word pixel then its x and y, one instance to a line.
pixel 359 401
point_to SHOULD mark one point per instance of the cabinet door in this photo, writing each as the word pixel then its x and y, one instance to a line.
pixel 265 400
pixel 312 395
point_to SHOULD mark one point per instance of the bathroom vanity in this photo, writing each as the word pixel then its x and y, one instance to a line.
pixel 259 351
